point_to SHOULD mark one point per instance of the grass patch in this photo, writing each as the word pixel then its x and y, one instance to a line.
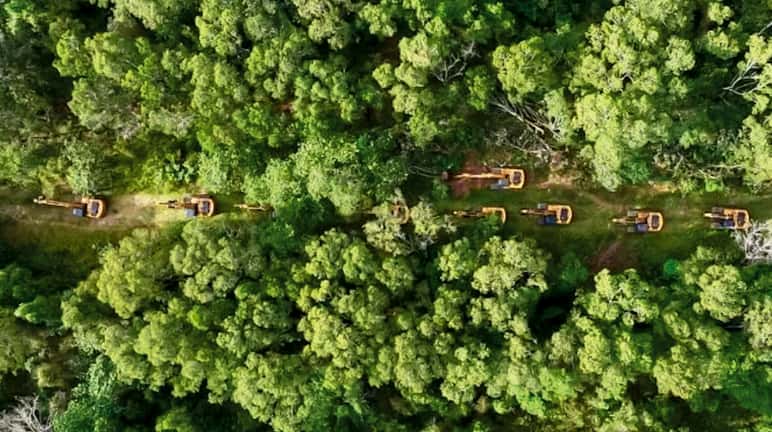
pixel 592 235
pixel 68 252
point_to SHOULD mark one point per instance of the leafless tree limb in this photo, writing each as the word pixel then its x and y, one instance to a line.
pixel 748 80
pixel 25 417
pixel 766 27
pixel 454 66
pixel 674 160
pixel 525 140
pixel 756 242
pixel 529 115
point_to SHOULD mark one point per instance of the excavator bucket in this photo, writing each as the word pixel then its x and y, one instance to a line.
pixel 733 219
pixel 641 221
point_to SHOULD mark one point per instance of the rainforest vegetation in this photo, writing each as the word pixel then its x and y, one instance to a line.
pixel 333 314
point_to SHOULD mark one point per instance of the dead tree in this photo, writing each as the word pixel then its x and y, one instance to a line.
pixel 25 417
pixel 454 66
pixel 756 242
pixel 524 140
pixel 749 80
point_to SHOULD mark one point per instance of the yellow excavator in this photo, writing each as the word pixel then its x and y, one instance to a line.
pixel 194 206
pixel 550 214
pixel 641 221
pixel 506 178
pixel 501 212
pixel 87 206
pixel 729 218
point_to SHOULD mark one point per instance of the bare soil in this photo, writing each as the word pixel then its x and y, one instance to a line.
pixel 461 188
pixel 123 212
pixel 615 257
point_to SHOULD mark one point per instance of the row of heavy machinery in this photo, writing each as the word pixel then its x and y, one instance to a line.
pixel 95 208
pixel 201 205
pixel 636 220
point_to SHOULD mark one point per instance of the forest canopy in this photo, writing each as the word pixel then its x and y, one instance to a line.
pixel 335 332
pixel 353 298
pixel 231 93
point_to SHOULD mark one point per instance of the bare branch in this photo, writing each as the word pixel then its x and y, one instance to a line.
pixel 25 417
pixel 530 115
pixel 766 27
pixel 748 80
pixel 756 242
pixel 454 66
pixel 526 141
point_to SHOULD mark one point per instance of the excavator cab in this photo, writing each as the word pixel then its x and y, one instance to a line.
pixel 641 221
pixel 729 218
pixel 194 206
pixel 90 207
pixel 550 214
pixel 501 212
pixel 505 178
pixel 512 178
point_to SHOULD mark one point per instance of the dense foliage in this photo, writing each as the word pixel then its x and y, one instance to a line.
pixel 315 319
pixel 343 331
pixel 251 96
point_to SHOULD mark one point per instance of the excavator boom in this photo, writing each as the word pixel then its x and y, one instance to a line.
pixel 49 202
pixel 91 207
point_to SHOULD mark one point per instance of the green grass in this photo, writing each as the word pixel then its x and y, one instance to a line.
pixel 592 233
pixel 67 251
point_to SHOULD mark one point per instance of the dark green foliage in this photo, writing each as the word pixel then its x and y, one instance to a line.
pixel 323 110
pixel 346 329
pixel 239 87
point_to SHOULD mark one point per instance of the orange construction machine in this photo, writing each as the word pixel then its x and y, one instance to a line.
pixel 87 206
pixel 729 218
pixel 550 214
pixel 505 178
pixel 194 206
pixel 641 221
pixel 501 212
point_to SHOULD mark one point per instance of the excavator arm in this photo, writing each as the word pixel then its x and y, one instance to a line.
pixel 42 200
